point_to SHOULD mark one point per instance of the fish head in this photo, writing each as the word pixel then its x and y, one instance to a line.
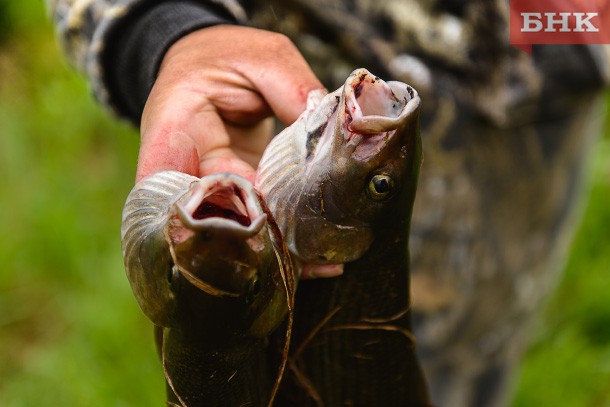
pixel 224 262
pixel 362 169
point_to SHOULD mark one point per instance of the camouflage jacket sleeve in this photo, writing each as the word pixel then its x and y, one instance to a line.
pixel 119 44
pixel 105 40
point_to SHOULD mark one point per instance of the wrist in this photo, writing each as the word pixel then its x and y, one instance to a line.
pixel 137 46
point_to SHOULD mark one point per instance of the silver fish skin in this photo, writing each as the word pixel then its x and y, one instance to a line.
pixel 319 176
pixel 146 256
pixel 205 264
pixel 211 232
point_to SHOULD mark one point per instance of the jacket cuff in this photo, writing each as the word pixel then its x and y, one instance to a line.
pixel 134 49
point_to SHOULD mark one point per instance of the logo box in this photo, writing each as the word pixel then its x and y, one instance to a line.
pixel 559 22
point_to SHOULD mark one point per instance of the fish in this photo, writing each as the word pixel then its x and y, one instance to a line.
pixel 341 182
pixel 207 265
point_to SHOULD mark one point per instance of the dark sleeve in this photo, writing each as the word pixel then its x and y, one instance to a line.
pixel 119 44
pixel 136 46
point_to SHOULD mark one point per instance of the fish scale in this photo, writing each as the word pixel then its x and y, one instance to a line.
pixel 144 216
pixel 281 169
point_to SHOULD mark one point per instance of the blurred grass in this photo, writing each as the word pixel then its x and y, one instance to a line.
pixel 71 332
pixel 568 363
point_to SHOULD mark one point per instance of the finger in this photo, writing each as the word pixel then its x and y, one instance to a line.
pixel 285 82
pixel 278 70
pixel 249 142
pixel 311 271
pixel 225 160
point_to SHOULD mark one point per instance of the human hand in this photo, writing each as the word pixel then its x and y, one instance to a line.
pixel 209 108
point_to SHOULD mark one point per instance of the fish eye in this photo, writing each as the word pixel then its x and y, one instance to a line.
pixel 380 187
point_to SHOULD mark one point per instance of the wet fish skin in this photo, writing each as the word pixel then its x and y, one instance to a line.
pixel 322 166
pixel 352 342
pixel 145 250
pixel 213 281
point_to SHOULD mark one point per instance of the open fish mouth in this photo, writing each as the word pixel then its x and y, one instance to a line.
pixel 222 203
pixel 374 110
pixel 217 218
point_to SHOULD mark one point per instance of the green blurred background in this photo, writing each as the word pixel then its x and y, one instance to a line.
pixel 70 331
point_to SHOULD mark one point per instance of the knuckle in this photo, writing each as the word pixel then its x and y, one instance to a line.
pixel 281 42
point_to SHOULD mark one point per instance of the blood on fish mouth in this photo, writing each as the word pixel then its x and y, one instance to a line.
pixel 374 97
pixel 224 202
pixel 374 110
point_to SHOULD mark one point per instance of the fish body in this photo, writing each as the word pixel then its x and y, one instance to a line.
pixel 206 267
pixel 341 181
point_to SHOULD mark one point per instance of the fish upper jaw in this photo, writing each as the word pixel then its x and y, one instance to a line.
pixel 371 112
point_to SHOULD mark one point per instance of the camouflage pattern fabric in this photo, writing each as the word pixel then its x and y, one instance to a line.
pixel 506 137
pixel 82 27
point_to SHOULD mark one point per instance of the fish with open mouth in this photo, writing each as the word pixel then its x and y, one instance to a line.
pixel 341 181
pixel 207 263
